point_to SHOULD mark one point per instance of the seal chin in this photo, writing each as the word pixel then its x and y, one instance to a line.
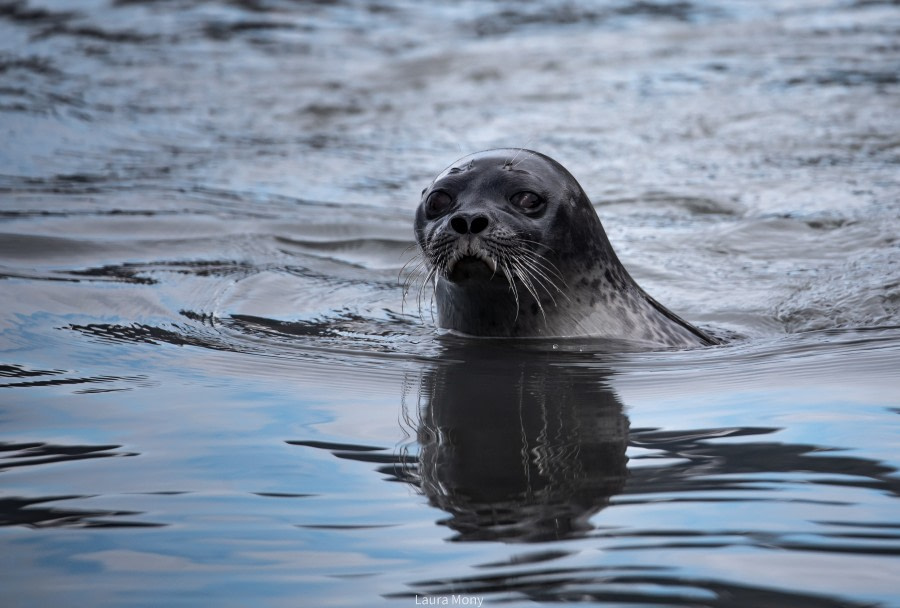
pixel 471 267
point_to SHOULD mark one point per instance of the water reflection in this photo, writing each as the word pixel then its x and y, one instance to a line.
pixel 35 453
pixel 517 442
pixel 517 446
pixel 33 512
pixel 696 461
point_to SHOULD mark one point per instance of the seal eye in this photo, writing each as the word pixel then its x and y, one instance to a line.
pixel 527 201
pixel 437 203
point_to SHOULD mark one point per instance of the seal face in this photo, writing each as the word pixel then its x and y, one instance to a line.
pixel 514 248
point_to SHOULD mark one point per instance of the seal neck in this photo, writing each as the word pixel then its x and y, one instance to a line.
pixel 491 309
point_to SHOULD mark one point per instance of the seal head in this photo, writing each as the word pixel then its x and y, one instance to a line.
pixel 514 248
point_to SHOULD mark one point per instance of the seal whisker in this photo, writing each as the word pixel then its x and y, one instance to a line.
pixel 541 279
pixel 419 270
pixel 429 277
pixel 539 263
pixel 422 274
pixel 546 269
pixel 413 267
pixel 510 278
pixel 423 271
pixel 511 163
pixel 420 261
pixel 525 278
pixel 542 264
pixel 540 259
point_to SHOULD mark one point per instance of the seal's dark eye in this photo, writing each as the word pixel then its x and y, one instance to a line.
pixel 527 201
pixel 437 203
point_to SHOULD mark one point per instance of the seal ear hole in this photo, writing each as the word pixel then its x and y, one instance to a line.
pixel 437 203
pixel 526 200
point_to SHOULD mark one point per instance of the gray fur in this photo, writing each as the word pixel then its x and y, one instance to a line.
pixel 544 271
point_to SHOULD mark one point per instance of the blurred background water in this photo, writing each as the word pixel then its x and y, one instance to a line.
pixel 213 391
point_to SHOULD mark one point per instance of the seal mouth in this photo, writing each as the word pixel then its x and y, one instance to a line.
pixel 477 266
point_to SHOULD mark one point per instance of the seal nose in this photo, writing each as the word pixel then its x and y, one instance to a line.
pixel 461 225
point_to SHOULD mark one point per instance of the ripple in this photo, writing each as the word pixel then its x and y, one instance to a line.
pixel 29 512
pixel 56 379
pixel 32 454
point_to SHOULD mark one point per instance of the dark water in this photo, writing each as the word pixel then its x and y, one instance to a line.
pixel 212 391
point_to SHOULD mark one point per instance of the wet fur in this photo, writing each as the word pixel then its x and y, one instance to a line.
pixel 554 273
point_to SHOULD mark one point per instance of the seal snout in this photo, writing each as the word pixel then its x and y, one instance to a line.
pixel 470 258
pixel 463 224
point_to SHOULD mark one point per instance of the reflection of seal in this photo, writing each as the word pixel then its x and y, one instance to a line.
pixel 515 449
pixel 515 248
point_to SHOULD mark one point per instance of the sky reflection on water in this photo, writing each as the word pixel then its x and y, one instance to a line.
pixel 212 389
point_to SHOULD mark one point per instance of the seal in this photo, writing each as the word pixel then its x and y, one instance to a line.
pixel 513 247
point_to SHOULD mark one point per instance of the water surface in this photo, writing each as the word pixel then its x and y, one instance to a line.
pixel 213 390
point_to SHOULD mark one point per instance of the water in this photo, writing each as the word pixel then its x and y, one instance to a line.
pixel 213 392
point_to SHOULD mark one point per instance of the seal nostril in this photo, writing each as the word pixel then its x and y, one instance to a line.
pixel 459 224
pixel 478 224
